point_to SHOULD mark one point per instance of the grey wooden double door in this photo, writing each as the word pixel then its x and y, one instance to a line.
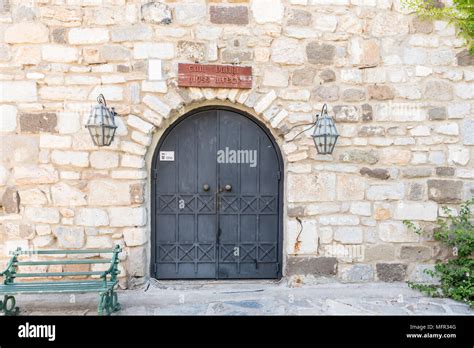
pixel 216 189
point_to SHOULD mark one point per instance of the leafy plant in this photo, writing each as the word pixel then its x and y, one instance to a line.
pixel 461 14
pixel 456 275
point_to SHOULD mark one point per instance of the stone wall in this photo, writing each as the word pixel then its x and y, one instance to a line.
pixel 401 91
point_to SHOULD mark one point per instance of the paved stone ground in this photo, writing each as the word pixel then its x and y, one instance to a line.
pixel 253 298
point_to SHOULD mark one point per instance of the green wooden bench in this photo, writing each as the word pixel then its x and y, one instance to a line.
pixel 104 285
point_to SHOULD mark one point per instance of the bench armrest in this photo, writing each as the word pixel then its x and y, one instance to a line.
pixel 10 267
pixel 112 270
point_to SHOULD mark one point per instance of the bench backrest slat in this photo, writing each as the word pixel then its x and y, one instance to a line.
pixel 56 274
pixel 54 252
pixel 63 262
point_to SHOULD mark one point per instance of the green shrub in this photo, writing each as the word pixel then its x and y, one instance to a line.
pixel 456 275
pixel 461 14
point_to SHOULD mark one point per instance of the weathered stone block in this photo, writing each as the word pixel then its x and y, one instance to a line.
pixel 426 211
pixel 458 155
pixel 43 215
pixel 276 77
pixel 438 90
pixel 378 173
pixel 364 53
pixel 359 156
pixel 389 23
pixel 346 113
pixel 122 217
pixel 422 26
pixel 229 15
pixel 267 11
pixel 468 130
pixel 30 174
pixel 26 32
pixel 70 237
pixel 88 36
pixel 287 51
pixel 445 191
pixel 60 54
pixel 349 235
pixel 63 16
pixel 11 200
pixel 137 193
pixel 104 159
pixel 9 114
pixel 361 208
pixel 350 188
pixel 135 236
pixel 318 187
pixel 66 195
pixel 391 272
pixel 43 242
pixel 371 131
pixel 357 273
pixel 51 141
pixel 299 18
pixel 320 53
pixel 327 75
pixel 91 217
pixel 157 105
pixel 156 13
pixel 319 266
pixel 98 242
pixel 415 253
pixel 113 53
pixel 102 192
pixel 416 192
pixel 59 36
pixel 18 91
pixel 73 158
pixel 32 197
pixel 436 114
pixel 445 171
pixel 191 50
pixel 416 172
pixel 326 93
pixel 380 92
pixel 35 123
pixel 136 261
pixel 353 94
pixel 464 58
pixel 379 252
pixel 325 23
pixel 395 156
pixel 134 32
pixel 393 191
pixel 339 220
pixel 396 232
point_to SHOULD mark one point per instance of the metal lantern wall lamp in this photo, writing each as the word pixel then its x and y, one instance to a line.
pixel 325 133
pixel 101 123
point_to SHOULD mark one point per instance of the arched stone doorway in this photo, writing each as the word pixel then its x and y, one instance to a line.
pixel 216 198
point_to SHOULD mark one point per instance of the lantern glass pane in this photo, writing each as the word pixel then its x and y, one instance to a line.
pixel 325 134
pixel 101 125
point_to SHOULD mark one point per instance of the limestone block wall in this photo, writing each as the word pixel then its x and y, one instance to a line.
pixel 400 89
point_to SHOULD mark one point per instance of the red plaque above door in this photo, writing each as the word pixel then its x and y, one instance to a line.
pixel 219 76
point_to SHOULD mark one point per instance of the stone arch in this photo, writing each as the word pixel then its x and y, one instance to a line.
pixel 157 113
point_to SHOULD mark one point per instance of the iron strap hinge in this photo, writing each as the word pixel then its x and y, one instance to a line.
pixel 278 267
pixel 279 175
pixel 155 173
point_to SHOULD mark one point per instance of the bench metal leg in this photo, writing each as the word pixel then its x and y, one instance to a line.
pixel 7 306
pixel 108 303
